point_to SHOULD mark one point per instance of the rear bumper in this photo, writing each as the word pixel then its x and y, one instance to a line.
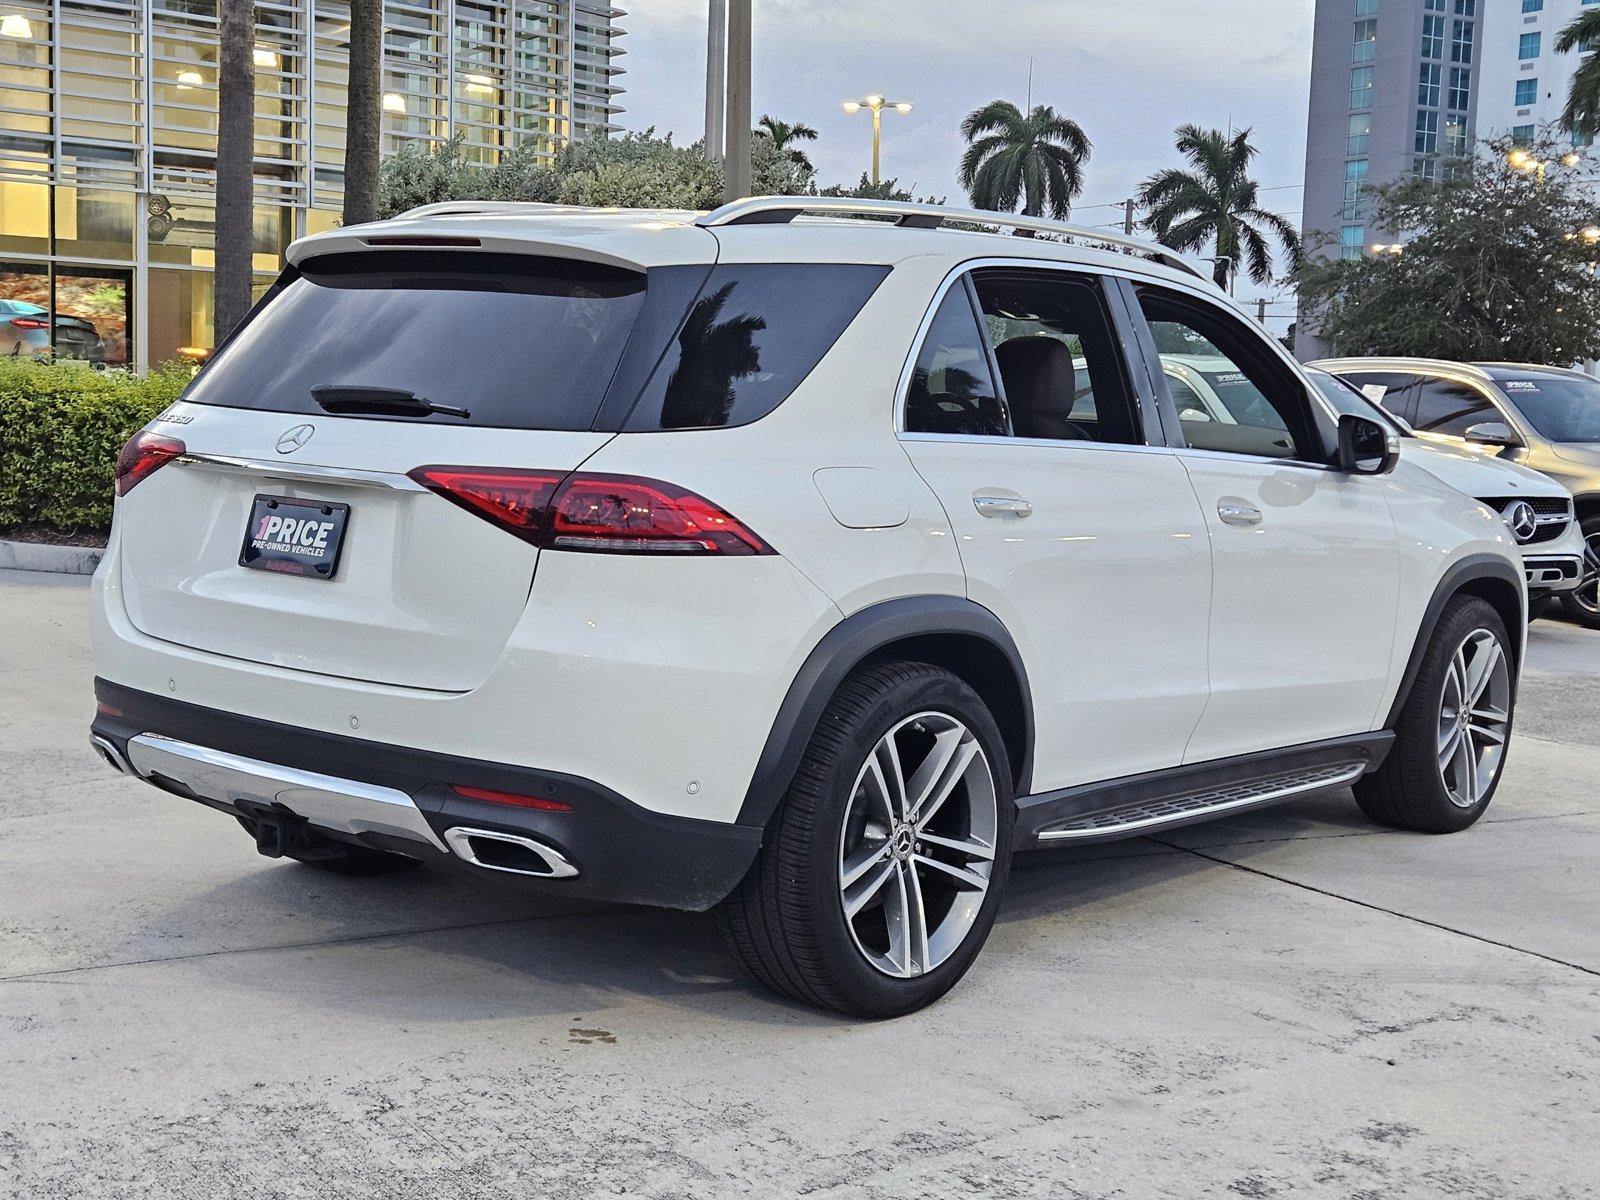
pixel 400 799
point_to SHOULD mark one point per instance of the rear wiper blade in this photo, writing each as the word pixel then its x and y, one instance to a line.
pixel 353 398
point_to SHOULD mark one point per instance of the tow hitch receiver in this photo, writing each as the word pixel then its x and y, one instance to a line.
pixel 280 833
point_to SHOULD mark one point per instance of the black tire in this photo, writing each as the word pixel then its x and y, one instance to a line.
pixel 786 922
pixel 340 858
pixel 1583 605
pixel 1409 790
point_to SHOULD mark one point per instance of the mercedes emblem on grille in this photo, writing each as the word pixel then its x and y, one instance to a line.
pixel 293 439
pixel 1522 520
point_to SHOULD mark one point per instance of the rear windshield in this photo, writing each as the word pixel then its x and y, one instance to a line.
pixel 517 341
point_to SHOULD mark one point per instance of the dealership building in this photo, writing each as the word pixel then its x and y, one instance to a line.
pixel 108 116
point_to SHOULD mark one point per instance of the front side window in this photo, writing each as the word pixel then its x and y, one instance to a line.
pixel 1060 368
pixel 1449 408
pixel 952 386
pixel 1259 406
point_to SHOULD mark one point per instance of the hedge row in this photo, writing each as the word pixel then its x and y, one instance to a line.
pixel 60 429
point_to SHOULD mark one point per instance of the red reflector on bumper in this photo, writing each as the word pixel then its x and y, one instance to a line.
pixel 512 798
pixel 107 710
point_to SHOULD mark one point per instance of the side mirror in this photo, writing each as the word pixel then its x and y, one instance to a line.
pixel 1492 433
pixel 1366 447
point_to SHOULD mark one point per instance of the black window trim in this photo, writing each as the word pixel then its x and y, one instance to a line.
pixel 1317 457
pixel 1125 335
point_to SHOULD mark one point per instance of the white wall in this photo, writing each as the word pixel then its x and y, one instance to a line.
pixel 1504 23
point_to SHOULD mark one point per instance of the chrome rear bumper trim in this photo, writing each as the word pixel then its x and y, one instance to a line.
pixel 342 805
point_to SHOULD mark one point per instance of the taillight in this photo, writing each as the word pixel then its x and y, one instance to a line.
pixel 514 799
pixel 142 455
pixel 608 514
pixel 30 323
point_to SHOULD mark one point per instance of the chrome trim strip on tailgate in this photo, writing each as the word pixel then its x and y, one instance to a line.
pixel 343 805
pixel 302 471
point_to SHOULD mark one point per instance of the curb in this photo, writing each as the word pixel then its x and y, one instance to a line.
pixel 40 556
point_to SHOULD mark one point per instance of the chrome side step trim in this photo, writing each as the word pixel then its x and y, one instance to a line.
pixel 1149 816
pixel 343 805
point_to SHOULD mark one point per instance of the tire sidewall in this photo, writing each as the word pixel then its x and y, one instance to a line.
pixel 865 988
pixel 1420 724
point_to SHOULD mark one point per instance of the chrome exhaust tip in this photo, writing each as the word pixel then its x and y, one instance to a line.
pixel 107 750
pixel 508 852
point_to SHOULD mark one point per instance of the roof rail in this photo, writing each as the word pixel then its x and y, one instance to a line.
pixel 780 210
pixel 447 208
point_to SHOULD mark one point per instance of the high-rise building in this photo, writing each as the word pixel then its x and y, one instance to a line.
pixel 1524 82
pixel 1394 92
pixel 108 112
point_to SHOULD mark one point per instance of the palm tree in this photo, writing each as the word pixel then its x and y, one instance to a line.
pixel 784 136
pixel 236 90
pixel 1035 160
pixel 1582 114
pixel 364 112
pixel 1218 204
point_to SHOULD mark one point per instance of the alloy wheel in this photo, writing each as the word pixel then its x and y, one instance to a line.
pixel 1587 595
pixel 1474 718
pixel 917 849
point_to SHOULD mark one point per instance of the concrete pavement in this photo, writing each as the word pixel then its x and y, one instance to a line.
pixel 1290 1003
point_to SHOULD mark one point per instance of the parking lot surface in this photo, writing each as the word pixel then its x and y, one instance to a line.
pixel 1290 1003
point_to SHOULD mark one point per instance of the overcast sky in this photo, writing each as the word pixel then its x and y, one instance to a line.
pixel 1129 71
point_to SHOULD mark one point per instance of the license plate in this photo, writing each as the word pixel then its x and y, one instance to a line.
pixel 292 536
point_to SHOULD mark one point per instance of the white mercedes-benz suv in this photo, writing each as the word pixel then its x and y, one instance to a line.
pixel 801 560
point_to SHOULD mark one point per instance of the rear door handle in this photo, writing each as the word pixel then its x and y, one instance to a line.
pixel 1002 506
pixel 1234 513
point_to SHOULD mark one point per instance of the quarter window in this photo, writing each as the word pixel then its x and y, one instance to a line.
pixel 1252 403
pixel 952 387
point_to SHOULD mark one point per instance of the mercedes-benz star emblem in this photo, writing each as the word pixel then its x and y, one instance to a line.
pixel 293 439
pixel 1524 523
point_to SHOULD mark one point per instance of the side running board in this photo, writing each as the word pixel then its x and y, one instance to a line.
pixel 1144 804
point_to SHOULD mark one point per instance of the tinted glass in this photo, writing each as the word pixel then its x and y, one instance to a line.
pixel 1446 407
pixel 1562 408
pixel 1059 364
pixel 750 337
pixel 1393 391
pixel 519 342
pixel 1253 403
pixel 952 388
pixel 1346 399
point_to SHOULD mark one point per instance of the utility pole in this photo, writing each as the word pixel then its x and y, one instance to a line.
pixel 1261 311
pixel 1127 217
pixel 716 79
pixel 736 144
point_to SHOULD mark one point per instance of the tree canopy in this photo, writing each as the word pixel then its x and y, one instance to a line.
pixel 1499 263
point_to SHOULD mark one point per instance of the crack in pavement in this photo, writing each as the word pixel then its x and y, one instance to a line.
pixel 1378 908
pixel 51 976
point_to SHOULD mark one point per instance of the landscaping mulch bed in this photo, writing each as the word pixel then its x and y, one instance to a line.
pixel 45 535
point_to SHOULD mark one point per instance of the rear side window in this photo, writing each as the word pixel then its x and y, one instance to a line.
pixel 1395 391
pixel 751 336
pixel 520 342
pixel 1445 406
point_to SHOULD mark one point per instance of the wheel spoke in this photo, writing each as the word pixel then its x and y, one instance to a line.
pixel 1449 743
pixel 879 787
pixel 916 922
pixel 1487 735
pixel 1466 768
pixel 862 861
pixel 965 878
pixel 938 789
pixel 858 897
pixel 1483 665
pixel 887 756
pixel 971 847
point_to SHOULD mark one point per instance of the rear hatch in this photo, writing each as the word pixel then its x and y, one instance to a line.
pixel 514 355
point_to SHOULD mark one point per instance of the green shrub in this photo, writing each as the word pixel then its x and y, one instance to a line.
pixel 60 429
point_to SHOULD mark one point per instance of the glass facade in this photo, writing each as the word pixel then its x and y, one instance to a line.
pixel 108 114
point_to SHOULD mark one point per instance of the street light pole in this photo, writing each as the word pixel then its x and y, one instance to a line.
pixel 736 144
pixel 716 78
pixel 875 104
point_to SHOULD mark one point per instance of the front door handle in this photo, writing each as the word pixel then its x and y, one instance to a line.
pixel 1236 513
pixel 1002 506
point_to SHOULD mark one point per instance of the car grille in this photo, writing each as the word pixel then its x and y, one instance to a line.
pixel 1554 514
